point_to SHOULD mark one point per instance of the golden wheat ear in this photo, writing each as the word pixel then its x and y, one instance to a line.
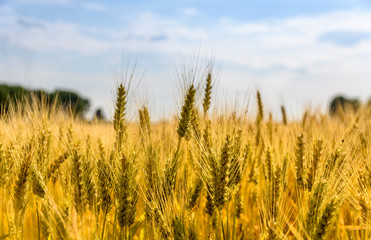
pixel 260 116
pixel 312 173
pixel 207 95
pixel 299 161
pixel 186 112
pixel 284 117
pixel 325 221
pixel 145 124
pixel 119 118
pixel 20 190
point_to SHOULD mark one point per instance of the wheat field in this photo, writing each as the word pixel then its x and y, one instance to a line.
pixel 202 175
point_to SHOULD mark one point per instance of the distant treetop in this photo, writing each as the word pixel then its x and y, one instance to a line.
pixel 342 104
pixel 69 100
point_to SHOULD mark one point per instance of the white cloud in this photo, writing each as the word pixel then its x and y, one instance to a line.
pixel 285 58
pixel 189 11
pixel 48 2
pixel 143 33
pixel 42 36
pixel 291 42
pixel 94 7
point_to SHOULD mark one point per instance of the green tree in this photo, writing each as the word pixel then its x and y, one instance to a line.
pixel 70 101
pixel 341 103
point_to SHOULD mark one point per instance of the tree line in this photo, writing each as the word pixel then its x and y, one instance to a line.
pixel 78 106
pixel 342 104
pixel 69 101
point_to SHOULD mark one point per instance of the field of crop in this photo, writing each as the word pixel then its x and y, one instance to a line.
pixel 205 175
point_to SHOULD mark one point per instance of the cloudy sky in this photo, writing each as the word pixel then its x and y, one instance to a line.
pixel 297 53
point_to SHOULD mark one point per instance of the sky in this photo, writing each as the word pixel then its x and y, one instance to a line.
pixel 297 53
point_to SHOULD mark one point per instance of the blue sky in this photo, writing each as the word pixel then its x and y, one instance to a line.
pixel 297 53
